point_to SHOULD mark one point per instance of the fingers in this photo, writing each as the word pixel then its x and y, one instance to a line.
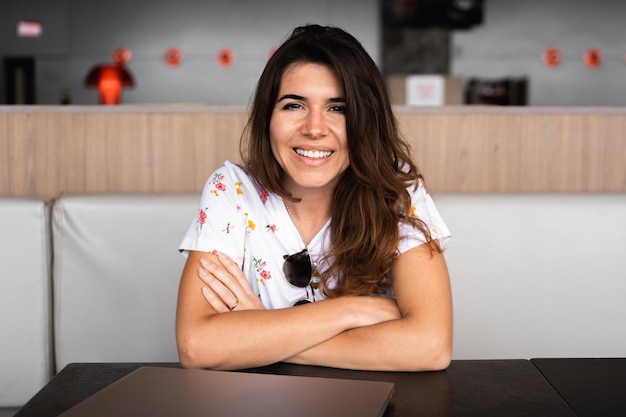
pixel 221 298
pixel 227 287
pixel 221 290
pixel 217 302
pixel 226 271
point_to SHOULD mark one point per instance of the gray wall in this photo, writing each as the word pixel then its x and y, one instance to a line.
pixel 81 33
pixel 515 34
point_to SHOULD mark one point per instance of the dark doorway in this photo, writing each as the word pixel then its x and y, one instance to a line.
pixel 19 80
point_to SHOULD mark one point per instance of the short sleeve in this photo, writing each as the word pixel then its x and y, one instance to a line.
pixel 219 223
pixel 423 207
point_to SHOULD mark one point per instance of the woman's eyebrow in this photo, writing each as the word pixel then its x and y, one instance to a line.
pixel 290 97
pixel 297 97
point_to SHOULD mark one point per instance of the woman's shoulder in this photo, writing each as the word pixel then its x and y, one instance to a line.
pixel 232 174
pixel 235 179
pixel 233 170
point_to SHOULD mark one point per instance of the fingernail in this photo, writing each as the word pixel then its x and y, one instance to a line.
pixel 205 262
pixel 202 273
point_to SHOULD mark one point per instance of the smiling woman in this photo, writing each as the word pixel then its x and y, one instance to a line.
pixel 324 247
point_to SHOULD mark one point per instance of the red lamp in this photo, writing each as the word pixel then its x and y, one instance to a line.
pixel 110 79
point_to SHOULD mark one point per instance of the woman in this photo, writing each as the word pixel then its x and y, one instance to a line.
pixel 324 248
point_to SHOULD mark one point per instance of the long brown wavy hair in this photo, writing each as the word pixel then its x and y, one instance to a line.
pixel 371 197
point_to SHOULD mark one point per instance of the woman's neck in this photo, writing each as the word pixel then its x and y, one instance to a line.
pixel 309 216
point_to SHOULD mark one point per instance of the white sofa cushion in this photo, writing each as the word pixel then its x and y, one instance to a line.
pixel 116 271
pixel 533 275
pixel 537 275
pixel 25 323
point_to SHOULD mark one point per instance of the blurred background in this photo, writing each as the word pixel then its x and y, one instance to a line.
pixel 532 52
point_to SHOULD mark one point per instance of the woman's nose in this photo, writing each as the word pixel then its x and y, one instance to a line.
pixel 315 125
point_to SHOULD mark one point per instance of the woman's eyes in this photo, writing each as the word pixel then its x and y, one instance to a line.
pixel 291 106
pixel 337 108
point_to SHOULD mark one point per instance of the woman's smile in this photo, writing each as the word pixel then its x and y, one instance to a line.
pixel 313 154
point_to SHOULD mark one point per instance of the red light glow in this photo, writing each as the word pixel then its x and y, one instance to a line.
pixel 552 57
pixel 593 58
pixel 109 79
pixel 173 57
pixel 110 86
pixel 225 57
pixel 121 56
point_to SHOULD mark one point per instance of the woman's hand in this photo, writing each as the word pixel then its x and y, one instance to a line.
pixel 227 288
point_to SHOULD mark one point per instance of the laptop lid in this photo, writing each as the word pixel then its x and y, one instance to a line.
pixel 156 392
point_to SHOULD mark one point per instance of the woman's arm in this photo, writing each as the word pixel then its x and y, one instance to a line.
pixel 420 340
pixel 209 335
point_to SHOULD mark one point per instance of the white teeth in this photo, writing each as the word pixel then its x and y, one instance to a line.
pixel 314 154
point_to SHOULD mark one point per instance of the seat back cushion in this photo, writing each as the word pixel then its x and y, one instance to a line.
pixel 116 271
pixel 25 322
pixel 537 275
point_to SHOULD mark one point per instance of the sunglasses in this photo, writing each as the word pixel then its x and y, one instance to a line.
pixel 299 269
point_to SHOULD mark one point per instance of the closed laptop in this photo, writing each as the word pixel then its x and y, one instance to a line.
pixel 155 392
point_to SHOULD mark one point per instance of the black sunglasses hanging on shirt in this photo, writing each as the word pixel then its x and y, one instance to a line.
pixel 299 270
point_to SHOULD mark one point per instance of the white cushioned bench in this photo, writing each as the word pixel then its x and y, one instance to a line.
pixel 537 275
pixel 532 274
pixel 116 272
pixel 25 319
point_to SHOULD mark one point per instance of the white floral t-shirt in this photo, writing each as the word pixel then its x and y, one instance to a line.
pixel 253 227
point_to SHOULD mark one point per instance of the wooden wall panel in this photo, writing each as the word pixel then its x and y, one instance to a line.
pixel 519 150
pixel 49 152
pixel 45 151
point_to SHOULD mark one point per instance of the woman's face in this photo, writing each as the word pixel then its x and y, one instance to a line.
pixel 308 128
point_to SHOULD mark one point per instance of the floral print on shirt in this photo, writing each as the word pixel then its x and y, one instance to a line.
pixel 259 267
pixel 264 195
pixel 238 189
pixel 218 184
pixel 201 218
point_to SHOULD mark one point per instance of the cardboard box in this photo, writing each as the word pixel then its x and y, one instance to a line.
pixel 425 90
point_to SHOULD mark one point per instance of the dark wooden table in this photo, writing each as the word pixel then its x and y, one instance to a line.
pixel 593 387
pixel 467 388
